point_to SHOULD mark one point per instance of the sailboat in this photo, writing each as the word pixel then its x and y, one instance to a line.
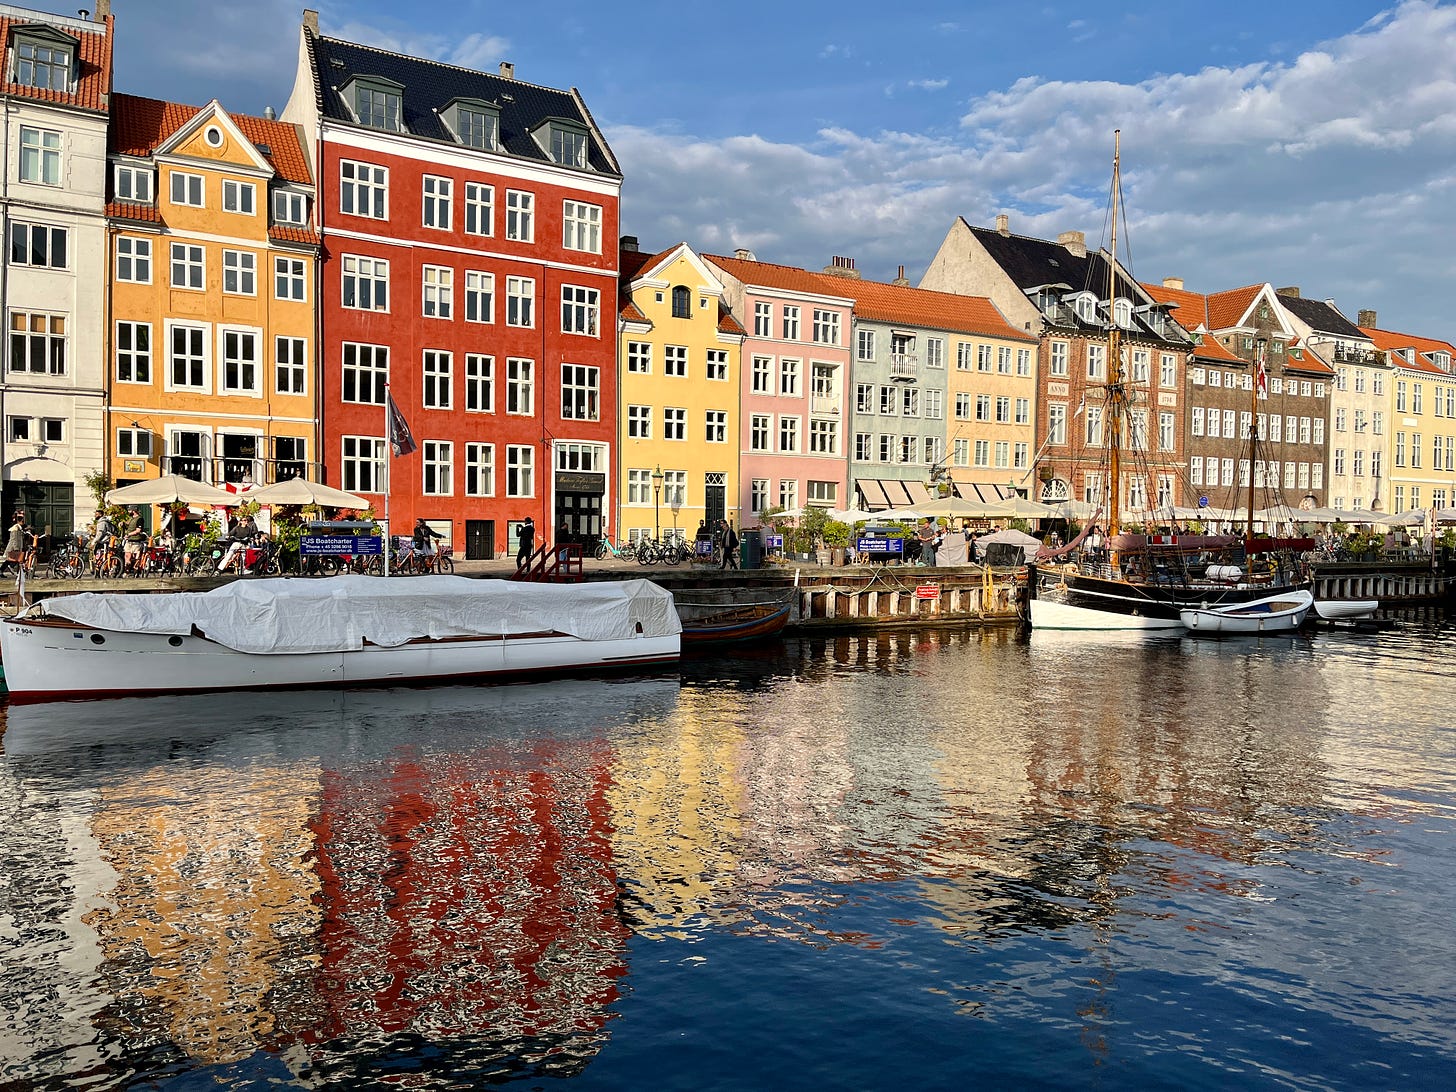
pixel 1122 580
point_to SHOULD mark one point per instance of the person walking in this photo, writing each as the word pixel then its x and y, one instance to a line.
pixel 929 538
pixel 730 545
pixel 527 537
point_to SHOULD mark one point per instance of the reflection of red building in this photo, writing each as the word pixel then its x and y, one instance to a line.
pixel 460 901
pixel 469 223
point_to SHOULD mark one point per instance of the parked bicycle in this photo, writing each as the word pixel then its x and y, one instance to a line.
pixel 622 551
pixel 68 559
pixel 670 551
pixel 27 560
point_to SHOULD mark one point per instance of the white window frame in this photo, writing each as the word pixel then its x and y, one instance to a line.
pixel 240 198
pixel 479 383
pixel 191 260
pixel 521 302
pixel 41 152
pixel 479 464
pixel 239 273
pixel 581 227
pixel 138 358
pixel 248 367
pixel 479 296
pixel 187 190
pixel 437 379
pixel 133 260
pixel 367 272
pixel 479 209
pixel 290 365
pixel 363 189
pixel 290 279
pixel 520 216
pixel 437 468
pixel 437 200
pixel 437 292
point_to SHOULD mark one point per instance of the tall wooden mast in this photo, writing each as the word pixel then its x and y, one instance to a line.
pixel 1114 359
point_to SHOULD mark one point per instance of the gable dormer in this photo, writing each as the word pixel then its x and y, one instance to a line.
pixel 42 57
pixel 1122 313
pixel 474 123
pixel 1084 304
pixel 376 102
pixel 1441 359
pixel 563 140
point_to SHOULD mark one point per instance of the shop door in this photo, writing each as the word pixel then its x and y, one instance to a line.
pixel 715 503
pixel 479 539
pixel 582 515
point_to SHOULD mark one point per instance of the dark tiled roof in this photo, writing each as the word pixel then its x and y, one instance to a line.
pixel 1321 317
pixel 430 86
pixel 93 63
pixel 139 125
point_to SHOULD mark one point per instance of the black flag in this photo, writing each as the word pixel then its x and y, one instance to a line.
pixel 401 442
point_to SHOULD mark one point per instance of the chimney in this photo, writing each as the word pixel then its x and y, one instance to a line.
pixel 901 280
pixel 270 113
pixel 507 70
pixel 1292 292
pixel 1075 242
pixel 629 244
pixel 310 21
pixel 743 254
pixel 842 267
pixel 1003 224
pixel 1367 320
pixel 1175 283
pixel 103 11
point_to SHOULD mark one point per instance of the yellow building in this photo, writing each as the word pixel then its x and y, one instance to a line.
pixel 678 364
pixel 211 259
pixel 1420 437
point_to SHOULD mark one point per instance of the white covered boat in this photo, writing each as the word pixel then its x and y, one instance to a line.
pixel 345 631
pixel 1281 613
pixel 1346 610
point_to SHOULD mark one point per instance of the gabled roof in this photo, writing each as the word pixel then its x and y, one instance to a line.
pixel 1190 309
pixel 1393 342
pixel 1321 317
pixel 1211 349
pixel 875 301
pixel 427 88
pixel 139 126
pixel 93 72
pixel 1230 308
pixel 785 278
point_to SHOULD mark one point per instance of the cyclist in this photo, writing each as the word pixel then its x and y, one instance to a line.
pixel 135 539
pixel 244 530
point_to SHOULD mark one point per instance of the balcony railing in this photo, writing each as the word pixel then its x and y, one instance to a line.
pixel 823 404
pixel 1345 355
pixel 220 470
pixel 904 366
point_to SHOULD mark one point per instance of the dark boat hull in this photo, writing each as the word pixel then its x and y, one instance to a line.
pixel 1130 604
pixel 734 627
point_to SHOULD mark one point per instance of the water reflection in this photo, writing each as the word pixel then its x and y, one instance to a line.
pixel 465 880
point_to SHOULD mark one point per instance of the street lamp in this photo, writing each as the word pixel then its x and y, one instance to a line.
pixel 656 500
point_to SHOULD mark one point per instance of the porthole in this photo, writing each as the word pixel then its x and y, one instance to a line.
pixel 97 639
pixel 213 136
pixel 175 641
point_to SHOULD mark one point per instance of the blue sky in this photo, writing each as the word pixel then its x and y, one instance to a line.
pixel 1299 143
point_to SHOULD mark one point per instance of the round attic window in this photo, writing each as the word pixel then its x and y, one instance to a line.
pixel 213 136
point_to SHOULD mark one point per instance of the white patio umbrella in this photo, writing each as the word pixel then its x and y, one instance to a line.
pixel 850 515
pixel 914 512
pixel 1402 519
pixel 173 489
pixel 960 508
pixel 302 491
pixel 1021 508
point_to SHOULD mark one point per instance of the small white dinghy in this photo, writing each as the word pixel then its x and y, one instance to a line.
pixel 1346 610
pixel 1281 613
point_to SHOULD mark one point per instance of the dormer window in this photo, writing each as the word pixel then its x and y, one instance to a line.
pixel 1086 308
pixel 46 59
pixel 135 184
pixel 376 102
pixel 1122 313
pixel 1442 361
pixel 290 208
pixel 474 122
pixel 564 141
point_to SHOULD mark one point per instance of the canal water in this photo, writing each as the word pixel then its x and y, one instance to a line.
pixel 929 860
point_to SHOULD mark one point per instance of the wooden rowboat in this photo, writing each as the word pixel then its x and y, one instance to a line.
pixel 735 625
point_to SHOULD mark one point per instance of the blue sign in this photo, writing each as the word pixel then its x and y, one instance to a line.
pixel 321 545
pixel 1203 502
pixel 881 545
pixel 773 542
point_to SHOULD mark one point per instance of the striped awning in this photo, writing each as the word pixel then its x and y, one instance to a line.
pixel 881 493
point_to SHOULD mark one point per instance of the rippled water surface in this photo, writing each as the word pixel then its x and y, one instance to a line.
pixel 937 860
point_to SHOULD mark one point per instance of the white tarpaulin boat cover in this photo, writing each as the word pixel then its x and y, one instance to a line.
pixel 340 613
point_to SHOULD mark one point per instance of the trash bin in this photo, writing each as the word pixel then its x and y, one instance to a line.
pixel 750 549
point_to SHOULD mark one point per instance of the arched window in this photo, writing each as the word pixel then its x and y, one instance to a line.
pixel 1054 490
pixel 682 302
pixel 1122 313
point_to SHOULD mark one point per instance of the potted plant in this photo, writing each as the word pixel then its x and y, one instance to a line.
pixel 836 539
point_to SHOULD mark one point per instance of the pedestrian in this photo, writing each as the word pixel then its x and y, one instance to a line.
pixel 929 538
pixel 527 537
pixel 730 545
pixel 15 544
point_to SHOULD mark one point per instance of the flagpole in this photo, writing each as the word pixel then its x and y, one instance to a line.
pixel 388 460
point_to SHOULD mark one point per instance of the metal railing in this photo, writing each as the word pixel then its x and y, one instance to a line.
pixel 904 366
pixel 218 469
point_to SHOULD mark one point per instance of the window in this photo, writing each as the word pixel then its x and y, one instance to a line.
pixel 363 461
pixel 935 352
pixel 38 245
pixel 1093 431
pixel 479 209
pixel 520 386
pixel 791 323
pixel 40 156
pixel 363 190
pixel 581 227
pixel 187 266
pixel 1166 438
pixel 37 343
pixel 436 197
pixel 479 296
pixel 962 406
pixel 758 495
pixel 1096 361
pixel 520 471
pixel 479 383
pixel 366 372
pixel 1141 365
pixel 438 463
pixel 240 362
pixel 580 393
pixel 865 345
pixel 639 357
pixel 983 453
pixel 438 285
pixel 675 360
pixel 480 470
pixel 289 282
pixel 910 401
pixel 762 320
pixel 187 189
pixel 826 327
pixel 824 437
pixel 1003 410
pixel 758 432
pixel 716 426
pixel 134 442
pixel 132 184
pixel 187 358
pixel 1195 426
pixel 520 301
pixel 961 452
pixel 1023 411
pixel 1167 370
pixel 789 378
pixel 639 486
pixel 437 379
pixel 1003 360
pixel 580 310
pixel 133 352
pixel 290 365
pixel 377 107
pixel 761 374
pixel 639 422
pixel 935 406
pixel 983 407
pixel 788 434
pixel 674 424
pixel 716 364
pixel 476 128
pixel 290 208
pixel 239 273
pixel 366 283
pixel 238 196
pixel 568 146
pixel 520 224
pixel 682 302
pixel 788 493
pixel 44 66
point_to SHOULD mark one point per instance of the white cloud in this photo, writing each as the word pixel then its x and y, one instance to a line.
pixel 928 85
pixel 1332 170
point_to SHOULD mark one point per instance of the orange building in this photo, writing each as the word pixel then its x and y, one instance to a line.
pixel 211 257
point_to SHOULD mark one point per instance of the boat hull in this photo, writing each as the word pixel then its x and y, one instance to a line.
pixel 55 660
pixel 1076 600
pixel 711 632
pixel 1053 614
pixel 1275 614
pixel 1346 610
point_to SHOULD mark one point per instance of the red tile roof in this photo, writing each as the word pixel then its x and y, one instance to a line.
pixel 93 63
pixel 785 277
pixel 140 125
pixel 1391 342
pixel 1210 348
pixel 1227 309
pixel 1307 360
pixel 1190 310
pixel 130 210
pixel 880 302
pixel 284 233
